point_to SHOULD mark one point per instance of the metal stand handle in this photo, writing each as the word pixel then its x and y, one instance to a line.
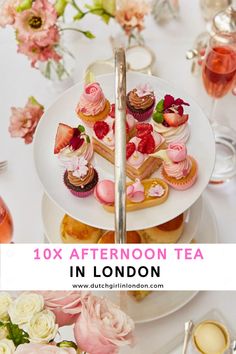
pixel 120 146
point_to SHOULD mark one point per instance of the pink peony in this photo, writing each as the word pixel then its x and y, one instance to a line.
pixel 102 327
pixel 38 24
pixel 8 12
pixel 36 53
pixel 131 15
pixel 177 152
pixel 66 305
pixel 32 348
pixel 24 121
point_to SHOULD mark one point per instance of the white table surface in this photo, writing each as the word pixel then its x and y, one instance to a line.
pixel 20 186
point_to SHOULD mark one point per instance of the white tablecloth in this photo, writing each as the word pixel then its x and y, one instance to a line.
pixel 20 186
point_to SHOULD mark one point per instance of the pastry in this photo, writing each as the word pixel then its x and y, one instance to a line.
pixel 80 177
pixel 169 232
pixel 178 169
pixel 92 106
pixel 139 295
pixel 140 102
pixel 74 231
pixel 145 142
pixel 72 142
pixel 145 194
pixel 170 121
pixel 109 237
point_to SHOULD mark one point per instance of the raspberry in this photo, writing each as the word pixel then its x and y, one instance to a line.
pixel 101 129
pixel 147 145
pixel 143 129
pixel 130 149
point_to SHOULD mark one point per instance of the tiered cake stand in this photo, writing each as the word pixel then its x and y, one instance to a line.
pixel 200 145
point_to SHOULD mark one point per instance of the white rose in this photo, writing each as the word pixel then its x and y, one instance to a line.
pixel 24 307
pixel 42 327
pixel 3 332
pixel 7 346
pixel 5 301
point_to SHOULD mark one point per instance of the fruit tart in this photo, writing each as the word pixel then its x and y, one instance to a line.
pixel 170 121
pixel 72 142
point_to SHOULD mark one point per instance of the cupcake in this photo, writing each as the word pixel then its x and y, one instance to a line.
pixel 92 106
pixel 170 121
pixel 72 142
pixel 178 169
pixel 80 177
pixel 140 102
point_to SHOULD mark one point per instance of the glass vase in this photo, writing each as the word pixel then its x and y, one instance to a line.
pixel 165 10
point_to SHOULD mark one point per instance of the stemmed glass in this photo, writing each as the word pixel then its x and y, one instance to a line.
pixel 6 224
pixel 219 78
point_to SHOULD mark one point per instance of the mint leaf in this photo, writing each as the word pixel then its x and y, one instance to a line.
pixel 158 117
pixel 160 106
pixel 88 139
pixel 81 128
pixel 17 335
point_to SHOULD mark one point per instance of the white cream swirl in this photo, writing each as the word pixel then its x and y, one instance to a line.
pixel 171 134
pixel 85 150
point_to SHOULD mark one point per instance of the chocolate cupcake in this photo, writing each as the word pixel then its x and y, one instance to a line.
pixel 140 102
pixel 81 178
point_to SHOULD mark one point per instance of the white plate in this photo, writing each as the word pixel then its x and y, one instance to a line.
pixel 201 145
pixel 52 216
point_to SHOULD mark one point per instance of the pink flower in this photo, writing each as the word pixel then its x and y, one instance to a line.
pixel 102 327
pixel 177 152
pixel 36 53
pixel 8 12
pixel 38 24
pixel 135 192
pixel 24 121
pixel 32 348
pixel 131 15
pixel 66 305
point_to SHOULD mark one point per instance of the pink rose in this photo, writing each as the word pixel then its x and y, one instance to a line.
pixel 102 327
pixel 24 121
pixel 66 305
pixel 93 92
pixel 32 348
pixel 177 152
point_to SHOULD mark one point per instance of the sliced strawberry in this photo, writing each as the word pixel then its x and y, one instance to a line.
pixel 143 129
pixel 101 129
pixel 147 145
pixel 130 149
pixel 63 137
pixel 174 119
pixel 76 142
pixel 112 111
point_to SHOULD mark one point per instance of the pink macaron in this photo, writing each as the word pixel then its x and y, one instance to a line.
pixel 104 192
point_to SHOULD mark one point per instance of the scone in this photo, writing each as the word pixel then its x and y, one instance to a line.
pixel 168 232
pixel 73 231
pixel 109 237
pixel 139 295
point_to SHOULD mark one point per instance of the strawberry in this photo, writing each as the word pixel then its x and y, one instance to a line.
pixel 63 137
pixel 147 145
pixel 130 149
pixel 175 119
pixel 76 142
pixel 101 129
pixel 143 129
pixel 112 111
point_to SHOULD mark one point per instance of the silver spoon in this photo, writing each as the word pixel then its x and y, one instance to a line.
pixel 188 329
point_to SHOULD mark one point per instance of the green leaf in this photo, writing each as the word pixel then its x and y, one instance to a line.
pixel 88 34
pixel 106 18
pixel 81 128
pixel 109 6
pixel 88 139
pixel 24 5
pixel 158 117
pixel 160 106
pixel 17 335
pixel 60 6
pixel 2 324
pixel 67 344
pixel 79 15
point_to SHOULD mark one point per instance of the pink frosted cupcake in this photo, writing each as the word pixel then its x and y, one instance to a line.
pixel 178 169
pixel 93 106
pixel 80 177
pixel 140 102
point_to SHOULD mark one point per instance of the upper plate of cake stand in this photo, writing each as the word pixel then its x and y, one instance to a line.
pixel 200 145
